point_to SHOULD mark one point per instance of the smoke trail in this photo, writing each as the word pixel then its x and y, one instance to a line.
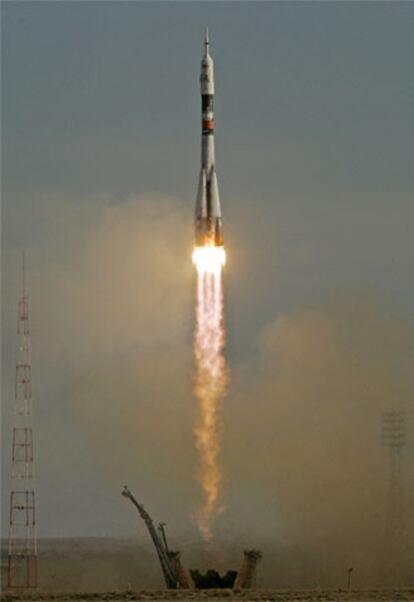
pixel 210 380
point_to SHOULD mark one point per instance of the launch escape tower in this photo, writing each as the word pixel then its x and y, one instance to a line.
pixel 393 438
pixel 22 551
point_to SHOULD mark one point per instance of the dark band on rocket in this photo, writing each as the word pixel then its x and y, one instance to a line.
pixel 207 103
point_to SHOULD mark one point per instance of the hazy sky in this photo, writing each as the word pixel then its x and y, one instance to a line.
pixel 100 160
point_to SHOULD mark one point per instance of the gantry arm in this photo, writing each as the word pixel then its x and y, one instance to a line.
pixel 169 576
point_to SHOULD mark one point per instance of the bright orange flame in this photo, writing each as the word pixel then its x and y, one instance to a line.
pixel 211 377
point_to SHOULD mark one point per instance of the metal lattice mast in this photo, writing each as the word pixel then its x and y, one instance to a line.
pixel 22 553
pixel 393 438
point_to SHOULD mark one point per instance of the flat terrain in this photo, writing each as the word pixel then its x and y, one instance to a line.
pixel 290 595
pixel 128 569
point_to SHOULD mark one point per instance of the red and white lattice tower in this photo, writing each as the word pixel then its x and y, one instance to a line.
pixel 22 553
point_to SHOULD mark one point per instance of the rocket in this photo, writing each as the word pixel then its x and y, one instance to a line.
pixel 208 228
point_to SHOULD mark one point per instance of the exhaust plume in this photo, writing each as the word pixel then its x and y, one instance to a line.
pixel 210 379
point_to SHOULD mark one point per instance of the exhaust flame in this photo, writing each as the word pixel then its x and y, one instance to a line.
pixel 211 377
pixel 209 259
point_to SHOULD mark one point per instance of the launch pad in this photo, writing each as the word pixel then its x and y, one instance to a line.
pixel 213 580
pixel 175 576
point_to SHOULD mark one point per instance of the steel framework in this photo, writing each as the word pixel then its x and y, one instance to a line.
pixel 393 439
pixel 22 551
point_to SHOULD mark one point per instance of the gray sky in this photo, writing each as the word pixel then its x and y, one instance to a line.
pixel 100 135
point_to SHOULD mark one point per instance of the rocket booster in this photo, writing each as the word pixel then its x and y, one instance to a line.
pixel 208 228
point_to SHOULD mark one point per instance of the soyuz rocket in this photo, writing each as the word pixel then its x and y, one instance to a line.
pixel 208 228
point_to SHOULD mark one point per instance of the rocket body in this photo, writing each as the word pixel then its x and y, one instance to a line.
pixel 208 227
